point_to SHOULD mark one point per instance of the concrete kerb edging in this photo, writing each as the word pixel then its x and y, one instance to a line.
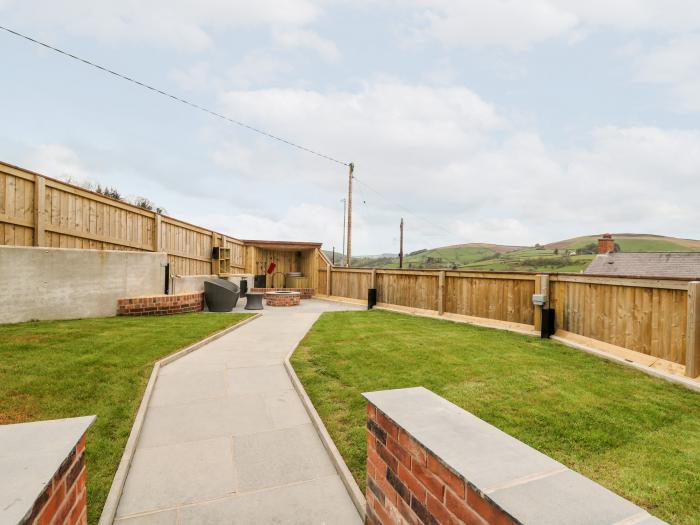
pixel 109 510
pixel 351 486
pixel 671 378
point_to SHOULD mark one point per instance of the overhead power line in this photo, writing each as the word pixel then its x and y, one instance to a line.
pixel 174 97
pixel 434 224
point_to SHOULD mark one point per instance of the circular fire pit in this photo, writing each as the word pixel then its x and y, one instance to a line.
pixel 282 298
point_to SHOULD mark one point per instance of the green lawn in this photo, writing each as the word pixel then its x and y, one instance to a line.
pixel 634 434
pixel 57 369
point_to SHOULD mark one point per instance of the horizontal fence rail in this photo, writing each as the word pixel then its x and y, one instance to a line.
pixel 653 316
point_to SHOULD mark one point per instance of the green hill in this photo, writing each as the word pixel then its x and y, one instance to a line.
pixel 569 255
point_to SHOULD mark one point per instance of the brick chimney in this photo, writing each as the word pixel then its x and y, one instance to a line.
pixel 606 244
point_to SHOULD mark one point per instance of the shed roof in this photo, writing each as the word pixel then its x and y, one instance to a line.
pixel 295 245
pixel 662 264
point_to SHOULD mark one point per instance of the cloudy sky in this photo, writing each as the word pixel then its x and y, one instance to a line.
pixel 476 120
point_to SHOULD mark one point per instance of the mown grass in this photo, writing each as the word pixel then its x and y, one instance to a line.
pixel 57 369
pixel 634 434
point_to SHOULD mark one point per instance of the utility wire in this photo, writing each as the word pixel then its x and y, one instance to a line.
pixel 436 250
pixel 215 114
pixel 174 97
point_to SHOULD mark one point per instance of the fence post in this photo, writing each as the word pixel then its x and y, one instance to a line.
pixel 441 292
pixel 328 280
pixel 692 350
pixel 39 213
pixel 541 288
pixel 373 279
pixel 157 237
pixel 214 262
pixel 538 310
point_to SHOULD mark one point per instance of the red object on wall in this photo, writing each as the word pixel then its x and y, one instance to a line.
pixel 271 268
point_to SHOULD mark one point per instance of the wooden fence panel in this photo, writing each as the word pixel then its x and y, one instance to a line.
pixel 350 283
pixel 62 215
pixel 321 283
pixel 406 288
pixel 499 297
pixel 16 210
pixel 78 219
pixel 189 248
pixel 650 320
pixel 237 255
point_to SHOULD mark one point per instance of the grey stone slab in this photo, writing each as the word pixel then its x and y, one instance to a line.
pixel 257 380
pixel 178 389
pixel 30 455
pixel 568 498
pixel 169 476
pixel 206 419
pixel 483 454
pixel 285 409
pixel 321 501
pixel 280 457
pixel 166 517
pixel 191 365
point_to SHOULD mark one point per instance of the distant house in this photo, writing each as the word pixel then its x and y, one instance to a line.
pixel 643 264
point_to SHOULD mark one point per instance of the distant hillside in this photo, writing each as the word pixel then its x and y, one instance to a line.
pixel 634 242
pixel 570 255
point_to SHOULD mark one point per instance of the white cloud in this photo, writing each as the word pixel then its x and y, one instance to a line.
pixel 675 64
pixel 60 162
pixel 180 24
pixel 306 39
pixel 257 68
pixel 517 25
pixel 301 222
pixel 448 155
pixel 508 23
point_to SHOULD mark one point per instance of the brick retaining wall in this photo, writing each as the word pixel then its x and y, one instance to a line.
pixel 306 293
pixel 64 500
pixel 162 304
pixel 430 462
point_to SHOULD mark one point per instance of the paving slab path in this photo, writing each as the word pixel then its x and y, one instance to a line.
pixel 226 439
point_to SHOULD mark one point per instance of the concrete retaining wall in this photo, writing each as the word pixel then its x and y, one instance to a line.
pixel 195 283
pixel 60 283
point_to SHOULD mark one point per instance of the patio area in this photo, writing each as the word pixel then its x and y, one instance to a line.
pixel 226 438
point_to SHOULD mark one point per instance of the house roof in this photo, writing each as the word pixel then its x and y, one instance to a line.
pixel 673 264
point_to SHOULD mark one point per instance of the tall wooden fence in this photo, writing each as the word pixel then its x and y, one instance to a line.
pixel 656 317
pixel 40 211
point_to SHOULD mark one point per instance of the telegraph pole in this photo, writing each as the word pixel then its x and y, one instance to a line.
pixel 333 260
pixel 401 245
pixel 342 246
pixel 349 251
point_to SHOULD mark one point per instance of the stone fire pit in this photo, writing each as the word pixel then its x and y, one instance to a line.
pixel 283 298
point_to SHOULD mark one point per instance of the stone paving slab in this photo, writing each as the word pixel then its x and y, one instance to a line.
pixel 226 438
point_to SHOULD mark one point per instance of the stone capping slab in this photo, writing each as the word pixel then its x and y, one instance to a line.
pixel 30 456
pixel 341 468
pixel 109 510
pixel 525 484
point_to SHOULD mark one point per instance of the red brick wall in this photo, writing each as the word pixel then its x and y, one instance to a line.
pixel 306 293
pixel 162 304
pixel 64 500
pixel 406 483
pixel 282 300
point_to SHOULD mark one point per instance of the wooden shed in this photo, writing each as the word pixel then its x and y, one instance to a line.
pixel 283 264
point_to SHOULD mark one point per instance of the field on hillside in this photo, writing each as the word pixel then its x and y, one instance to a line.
pixel 571 255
